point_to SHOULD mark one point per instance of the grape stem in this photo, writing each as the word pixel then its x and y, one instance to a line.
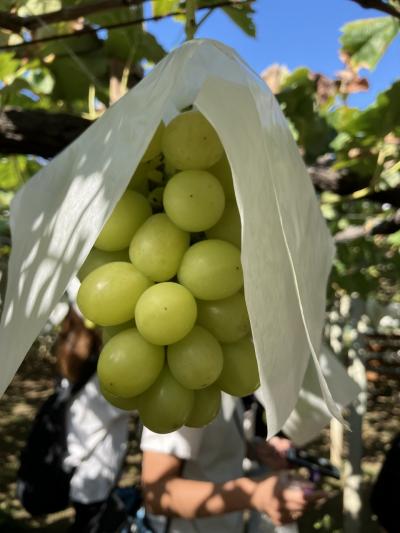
pixel 190 26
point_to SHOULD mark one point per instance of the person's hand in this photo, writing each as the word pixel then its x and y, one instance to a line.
pixel 284 497
pixel 272 453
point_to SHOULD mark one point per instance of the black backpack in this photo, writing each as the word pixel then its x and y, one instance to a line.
pixel 42 483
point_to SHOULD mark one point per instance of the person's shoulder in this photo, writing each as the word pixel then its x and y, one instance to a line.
pixel 183 443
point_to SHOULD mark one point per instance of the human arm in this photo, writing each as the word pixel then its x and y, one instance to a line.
pixel 271 453
pixel 167 493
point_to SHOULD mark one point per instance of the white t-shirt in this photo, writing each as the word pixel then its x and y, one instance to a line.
pixel 97 436
pixel 214 453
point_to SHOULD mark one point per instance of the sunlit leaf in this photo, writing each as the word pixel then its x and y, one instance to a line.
pixel 15 170
pixel 11 171
pixel 163 7
pixel 394 239
pixel 381 117
pixel 41 80
pixel 341 117
pixel 8 65
pixel 38 7
pixel 77 64
pixel 365 41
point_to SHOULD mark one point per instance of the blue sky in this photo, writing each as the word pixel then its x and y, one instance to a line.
pixel 296 34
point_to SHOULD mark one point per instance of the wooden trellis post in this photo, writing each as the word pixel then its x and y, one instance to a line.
pixel 352 498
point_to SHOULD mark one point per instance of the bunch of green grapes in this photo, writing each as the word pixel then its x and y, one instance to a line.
pixel 164 281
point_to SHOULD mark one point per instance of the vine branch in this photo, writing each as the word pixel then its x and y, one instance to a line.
pixel 190 26
pixel 15 23
pixel 379 5
pixel 90 30
pixel 378 227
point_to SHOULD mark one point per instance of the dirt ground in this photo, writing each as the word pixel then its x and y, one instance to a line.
pixel 34 382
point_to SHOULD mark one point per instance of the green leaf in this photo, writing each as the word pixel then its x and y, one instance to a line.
pixel 11 95
pixel 242 17
pixel 298 100
pixel 8 65
pixel 300 76
pixel 365 41
pixel 149 48
pixel 39 7
pixel 122 42
pixel 394 239
pixel 381 118
pixel 41 80
pixel 4 228
pixel 10 174
pixel 78 64
pixel 163 7
pixel 342 116
pixel 341 141
pixel 130 44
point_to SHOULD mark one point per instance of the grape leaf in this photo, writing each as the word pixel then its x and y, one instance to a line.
pixel 10 172
pixel 380 118
pixel 163 7
pixel 365 41
pixel 394 239
pixel 40 79
pixel 39 7
pixel 298 99
pixel 8 65
pixel 242 17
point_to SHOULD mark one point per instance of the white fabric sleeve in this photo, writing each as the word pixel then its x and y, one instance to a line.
pixel 183 443
pixel 97 436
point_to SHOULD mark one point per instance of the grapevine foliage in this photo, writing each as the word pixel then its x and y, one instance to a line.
pixel 352 154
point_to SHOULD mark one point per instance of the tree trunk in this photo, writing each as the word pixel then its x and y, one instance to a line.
pixel 38 132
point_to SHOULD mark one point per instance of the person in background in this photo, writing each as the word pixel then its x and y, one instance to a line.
pixel 96 432
pixel 193 480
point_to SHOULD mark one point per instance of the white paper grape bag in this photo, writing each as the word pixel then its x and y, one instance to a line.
pixel 286 247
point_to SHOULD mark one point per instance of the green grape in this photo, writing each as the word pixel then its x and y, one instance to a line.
pixel 166 405
pixel 165 313
pixel 155 176
pixel 97 258
pixel 139 179
pixel 141 187
pixel 158 247
pixel 207 403
pixel 169 168
pixel 239 376
pixel 189 142
pixel 222 171
pixel 155 198
pixel 196 360
pixel 211 270
pixel 226 319
pixel 228 228
pixel 128 364
pixel 128 215
pixel 127 404
pixel 194 200
pixel 154 148
pixel 111 331
pixel 108 295
pixel 143 173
